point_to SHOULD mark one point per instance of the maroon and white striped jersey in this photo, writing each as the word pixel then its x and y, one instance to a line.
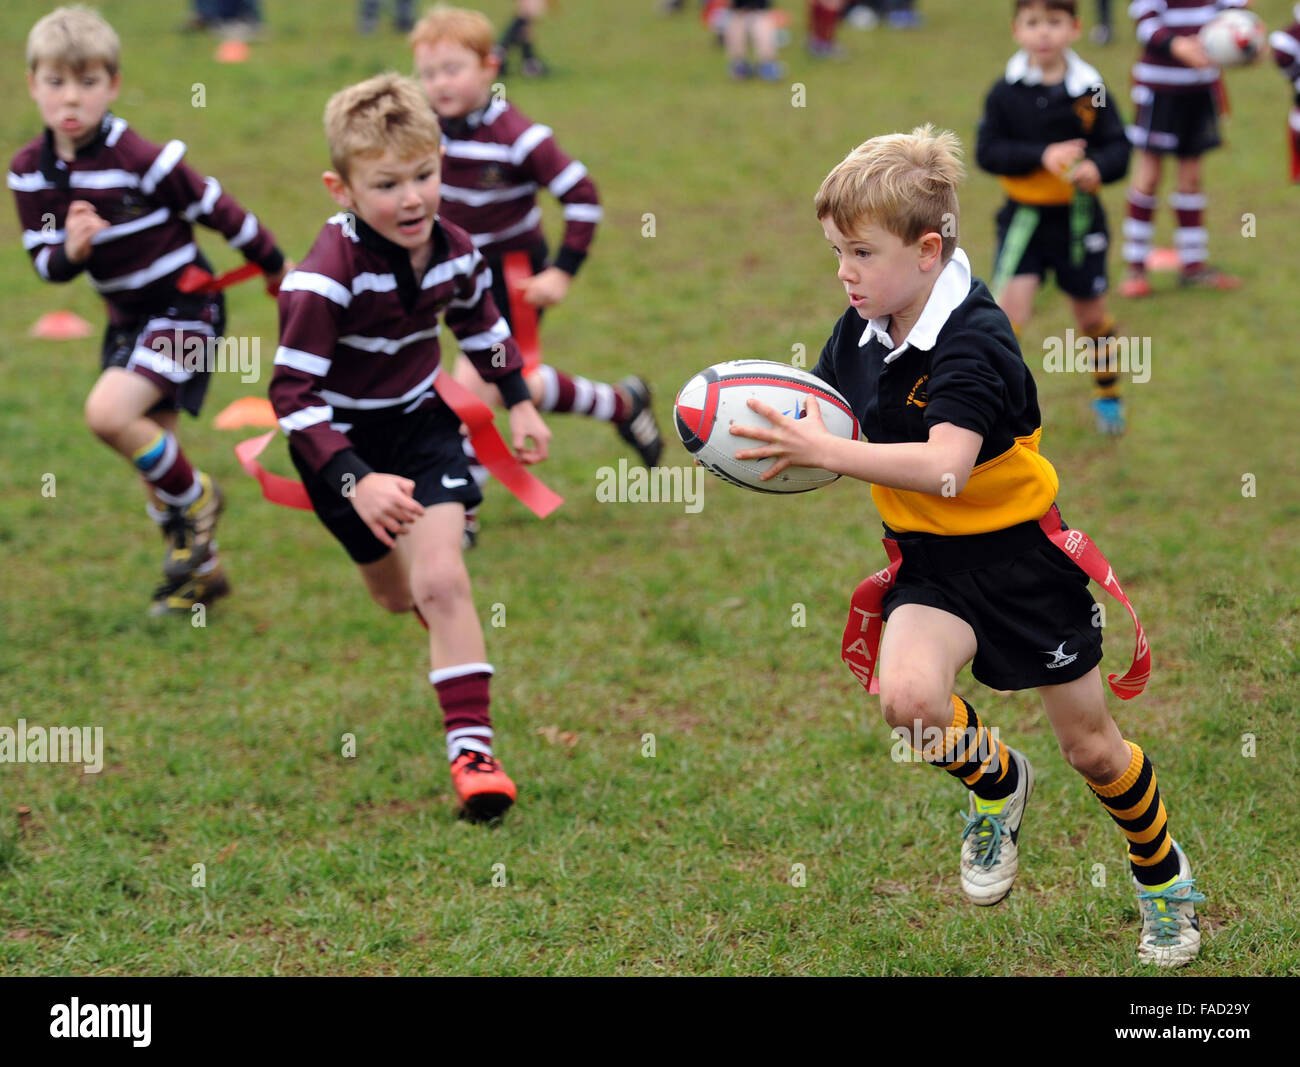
pixel 1286 51
pixel 359 333
pixel 147 194
pixel 1158 23
pixel 496 161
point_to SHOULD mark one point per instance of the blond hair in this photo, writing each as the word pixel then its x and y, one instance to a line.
pixel 905 183
pixel 471 29
pixel 385 112
pixel 74 37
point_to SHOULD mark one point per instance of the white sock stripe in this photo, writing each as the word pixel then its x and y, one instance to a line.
pixel 1135 228
pixel 168 460
pixel 470 731
pixel 455 748
pixel 1136 253
pixel 158 515
pixel 186 498
pixel 1142 200
pixel 550 386
pixel 446 674
pixel 583 394
pixel 1191 235
pixel 605 401
pixel 1188 201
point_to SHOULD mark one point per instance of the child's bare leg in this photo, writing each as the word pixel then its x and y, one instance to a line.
pixel 736 35
pixel 921 652
pixel 1017 299
pixel 1117 772
pixel 763 29
pixel 439 585
pixel 388 580
pixel 116 410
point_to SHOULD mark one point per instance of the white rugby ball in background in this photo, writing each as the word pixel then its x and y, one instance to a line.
pixel 1234 38
pixel 714 400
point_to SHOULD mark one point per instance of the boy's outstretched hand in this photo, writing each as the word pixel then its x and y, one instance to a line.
pixel 547 288
pixel 525 422
pixel 1190 52
pixel 81 225
pixel 794 442
pixel 386 505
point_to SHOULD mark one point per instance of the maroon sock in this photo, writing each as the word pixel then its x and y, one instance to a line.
pixel 823 20
pixel 1139 229
pixel 165 467
pixel 562 392
pixel 463 694
pixel 1191 236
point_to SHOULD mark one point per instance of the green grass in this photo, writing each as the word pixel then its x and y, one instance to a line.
pixel 223 742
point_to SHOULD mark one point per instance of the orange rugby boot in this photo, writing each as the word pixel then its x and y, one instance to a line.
pixel 483 788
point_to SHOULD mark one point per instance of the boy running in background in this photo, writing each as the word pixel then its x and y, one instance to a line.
pixel 95 196
pixel 378 450
pixel 520 32
pixel 496 159
pixel 950 436
pixel 1286 52
pixel 750 21
pixel 1054 136
pixel 1178 95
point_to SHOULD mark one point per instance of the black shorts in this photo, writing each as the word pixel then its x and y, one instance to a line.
pixel 1184 124
pixel 750 5
pixel 500 293
pixel 191 324
pixel 1035 622
pixel 424 446
pixel 1051 249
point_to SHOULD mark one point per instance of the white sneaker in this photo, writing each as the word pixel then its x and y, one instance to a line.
pixel 989 856
pixel 1171 932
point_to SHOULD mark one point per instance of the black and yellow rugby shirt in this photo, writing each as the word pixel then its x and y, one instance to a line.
pixel 960 364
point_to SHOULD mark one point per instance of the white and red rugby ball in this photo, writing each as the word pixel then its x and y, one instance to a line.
pixel 1234 38
pixel 714 400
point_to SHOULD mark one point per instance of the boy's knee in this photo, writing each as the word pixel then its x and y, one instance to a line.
pixel 399 603
pixel 439 585
pixel 910 702
pixel 1092 757
pixel 103 418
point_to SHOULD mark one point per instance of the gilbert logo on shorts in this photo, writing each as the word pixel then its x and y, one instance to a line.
pixel 1059 658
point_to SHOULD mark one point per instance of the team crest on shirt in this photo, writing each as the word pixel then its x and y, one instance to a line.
pixel 1086 112
pixel 493 177
pixel 130 206
pixel 919 395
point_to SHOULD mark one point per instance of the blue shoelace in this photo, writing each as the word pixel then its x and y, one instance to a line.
pixel 988 844
pixel 1169 921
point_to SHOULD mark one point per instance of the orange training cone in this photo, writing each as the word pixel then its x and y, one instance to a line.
pixel 246 411
pixel 232 50
pixel 61 326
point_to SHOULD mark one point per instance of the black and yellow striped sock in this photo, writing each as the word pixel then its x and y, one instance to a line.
pixel 1105 373
pixel 1133 801
pixel 975 755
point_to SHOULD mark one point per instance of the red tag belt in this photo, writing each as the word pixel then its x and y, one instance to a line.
pixel 862 633
pixel 492 452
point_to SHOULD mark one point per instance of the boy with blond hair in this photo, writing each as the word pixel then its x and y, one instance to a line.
pixel 495 160
pixel 95 196
pixel 982 569
pixel 1053 136
pixel 354 388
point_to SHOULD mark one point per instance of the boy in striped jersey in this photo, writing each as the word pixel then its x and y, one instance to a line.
pixel 355 389
pixel 1178 93
pixel 94 196
pixel 1286 52
pixel 495 161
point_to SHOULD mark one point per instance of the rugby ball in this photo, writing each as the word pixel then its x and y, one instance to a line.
pixel 1234 38
pixel 714 400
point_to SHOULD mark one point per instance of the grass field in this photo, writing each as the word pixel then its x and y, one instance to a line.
pixel 770 832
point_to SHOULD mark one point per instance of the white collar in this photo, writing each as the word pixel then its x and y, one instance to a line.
pixel 1080 78
pixel 950 289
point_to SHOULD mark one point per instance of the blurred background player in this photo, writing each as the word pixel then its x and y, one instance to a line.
pixel 403 15
pixel 823 19
pixel 750 23
pixel 95 196
pixel 496 159
pixel 1178 93
pixel 950 432
pixel 520 32
pixel 378 450
pixel 1286 52
pixel 1104 31
pixel 1054 136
